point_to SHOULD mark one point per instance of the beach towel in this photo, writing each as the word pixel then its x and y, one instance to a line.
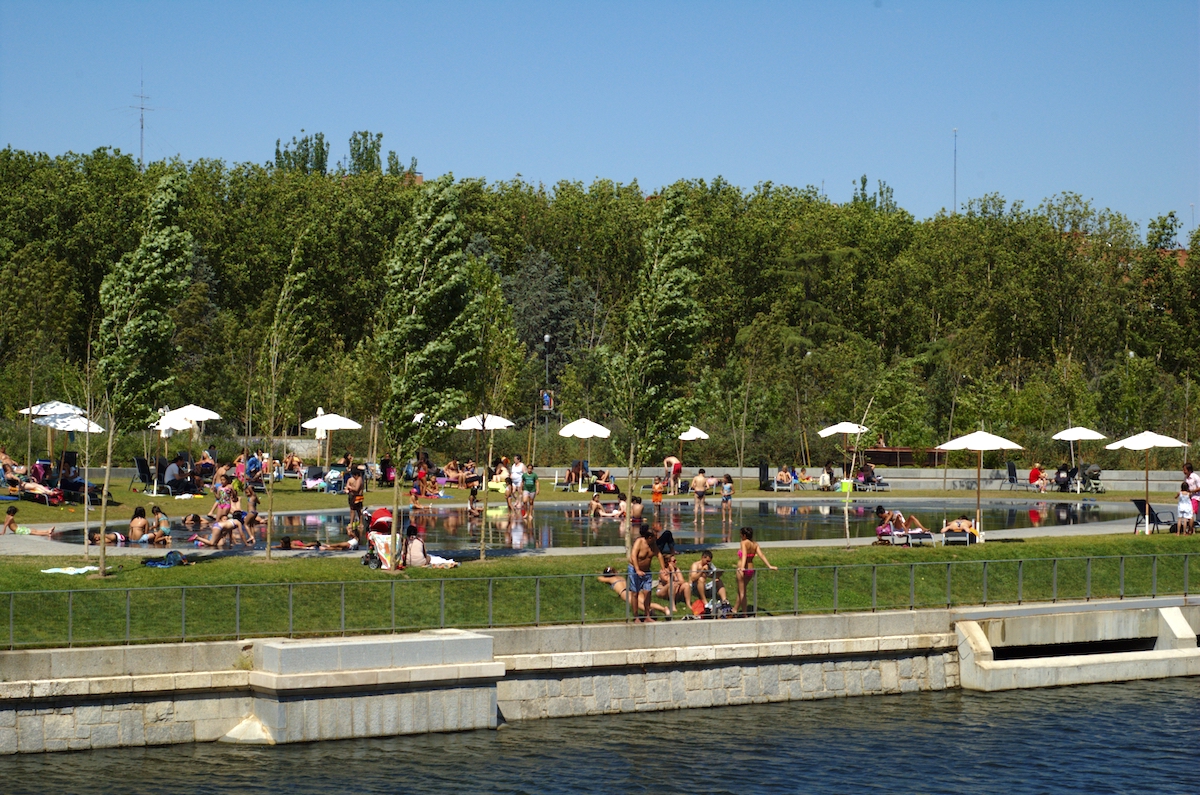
pixel 71 570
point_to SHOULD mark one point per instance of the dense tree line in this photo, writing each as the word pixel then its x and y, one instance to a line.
pixel 788 310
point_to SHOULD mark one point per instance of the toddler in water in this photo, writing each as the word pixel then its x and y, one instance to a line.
pixel 1187 520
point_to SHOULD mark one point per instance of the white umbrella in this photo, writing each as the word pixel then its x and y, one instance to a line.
pixel 193 414
pixel 980 441
pixel 490 423
pixel 584 429
pixel 1077 434
pixel 52 407
pixel 845 429
pixel 168 424
pixel 484 422
pixel 1145 441
pixel 328 423
pixel 692 434
pixel 75 423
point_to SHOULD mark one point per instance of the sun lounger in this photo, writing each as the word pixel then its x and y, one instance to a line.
pixel 952 538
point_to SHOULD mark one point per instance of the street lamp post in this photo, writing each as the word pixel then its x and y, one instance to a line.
pixel 546 350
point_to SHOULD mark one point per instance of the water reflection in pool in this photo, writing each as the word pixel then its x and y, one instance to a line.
pixel 568 525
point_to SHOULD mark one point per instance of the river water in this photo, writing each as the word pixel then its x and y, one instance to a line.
pixel 1121 738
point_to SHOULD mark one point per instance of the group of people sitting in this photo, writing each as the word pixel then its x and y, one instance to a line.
pixel 701 591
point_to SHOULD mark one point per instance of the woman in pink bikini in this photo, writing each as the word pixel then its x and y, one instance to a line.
pixel 745 566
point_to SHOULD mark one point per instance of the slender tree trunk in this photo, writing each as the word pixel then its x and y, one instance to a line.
pixel 396 512
pixel 112 432
pixel 29 427
pixel 629 494
pixel 487 479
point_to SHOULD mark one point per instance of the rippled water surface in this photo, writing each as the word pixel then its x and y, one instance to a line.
pixel 1124 738
pixel 561 525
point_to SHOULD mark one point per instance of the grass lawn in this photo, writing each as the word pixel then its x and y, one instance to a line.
pixel 331 595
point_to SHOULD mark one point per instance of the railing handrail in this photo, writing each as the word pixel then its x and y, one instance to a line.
pixel 200 586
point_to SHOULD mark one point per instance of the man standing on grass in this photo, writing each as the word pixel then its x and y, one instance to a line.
pixel 641 582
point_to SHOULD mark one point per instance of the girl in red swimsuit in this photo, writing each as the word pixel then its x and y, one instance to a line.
pixel 745 566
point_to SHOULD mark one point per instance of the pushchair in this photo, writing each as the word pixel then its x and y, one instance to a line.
pixel 1089 479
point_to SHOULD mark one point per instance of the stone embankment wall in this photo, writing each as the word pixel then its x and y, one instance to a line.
pixel 279 691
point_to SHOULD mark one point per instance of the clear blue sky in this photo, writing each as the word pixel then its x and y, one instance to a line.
pixel 1094 97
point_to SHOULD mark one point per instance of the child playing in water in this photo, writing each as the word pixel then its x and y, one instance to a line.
pixel 656 492
pixel 10 525
pixel 1187 520
pixel 727 497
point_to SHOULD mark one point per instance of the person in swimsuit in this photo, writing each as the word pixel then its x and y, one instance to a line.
pixel 143 531
pixel 595 508
pixel 747 552
pixel 727 498
pixel 641 581
pixel 251 519
pixel 706 579
pixel 10 525
pixel 671 585
pixel 656 493
pixel 222 531
pixel 699 489
pixel 109 538
pixel 898 521
pixel 162 523
pixel 621 589
pixel 355 492
pixel 960 525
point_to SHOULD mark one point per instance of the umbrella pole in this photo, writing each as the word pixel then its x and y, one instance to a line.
pixel 978 491
pixel 487 480
pixel 1147 491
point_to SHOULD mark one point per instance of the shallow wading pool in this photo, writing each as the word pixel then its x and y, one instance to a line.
pixel 567 525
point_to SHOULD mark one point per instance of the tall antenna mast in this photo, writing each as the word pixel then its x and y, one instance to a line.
pixel 955 210
pixel 141 108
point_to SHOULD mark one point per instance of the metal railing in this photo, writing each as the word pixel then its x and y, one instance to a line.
pixel 311 609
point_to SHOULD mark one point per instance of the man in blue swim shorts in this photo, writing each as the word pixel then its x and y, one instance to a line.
pixel 641 582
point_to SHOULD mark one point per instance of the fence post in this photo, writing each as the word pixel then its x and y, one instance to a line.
pixel 537 601
pixel 755 596
pixel 985 582
pixel 12 604
pixel 1186 561
pixel 1154 576
pixel 1089 578
pixel 1054 581
pixel 1020 581
pixel 442 602
pixel 342 619
pixel 127 601
pixel 393 589
pixel 70 618
pixel 183 613
pixel 291 628
pixel 795 590
pixel 237 612
pixel 912 586
pixel 873 590
pixel 835 573
pixel 583 599
pixel 949 596
pixel 1122 576
pixel 490 581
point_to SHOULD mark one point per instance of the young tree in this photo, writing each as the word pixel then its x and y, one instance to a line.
pixel 134 343
pixel 432 318
pixel 646 368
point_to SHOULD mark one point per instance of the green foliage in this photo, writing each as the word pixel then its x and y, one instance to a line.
pixel 364 152
pixel 308 155
pixel 434 315
pixel 136 355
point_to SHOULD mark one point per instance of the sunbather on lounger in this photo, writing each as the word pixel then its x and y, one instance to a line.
pixel 960 525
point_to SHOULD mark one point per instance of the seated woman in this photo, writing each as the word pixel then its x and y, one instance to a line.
pixel 9 463
pixel 671 584
pixel 141 531
pixel 452 472
pixel 415 553
pixel 468 476
pixel 784 477
pixel 293 463
pixel 595 507
pixel 826 481
pixel 1037 478
pixel 208 464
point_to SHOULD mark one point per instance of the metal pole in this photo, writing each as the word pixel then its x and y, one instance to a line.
pixel 442 603
pixel 756 596
pixel 183 612
pixel 393 607
pixel 1186 559
pixel 582 598
pixel 835 594
pixel 1089 579
pixel 912 586
pixel 291 629
pixel 1054 581
pixel 985 582
pixel 1020 580
pixel 537 601
pixel 1122 576
pixel 343 610
pixel 873 590
pixel 796 590
pixel 1154 576
pixel 237 612
pixel 490 582
pixel 70 617
pixel 127 602
pixel 12 602
pixel 949 598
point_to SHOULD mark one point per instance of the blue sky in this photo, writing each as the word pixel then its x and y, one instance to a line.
pixel 1098 98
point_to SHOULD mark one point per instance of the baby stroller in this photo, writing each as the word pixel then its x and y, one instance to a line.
pixel 1089 479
